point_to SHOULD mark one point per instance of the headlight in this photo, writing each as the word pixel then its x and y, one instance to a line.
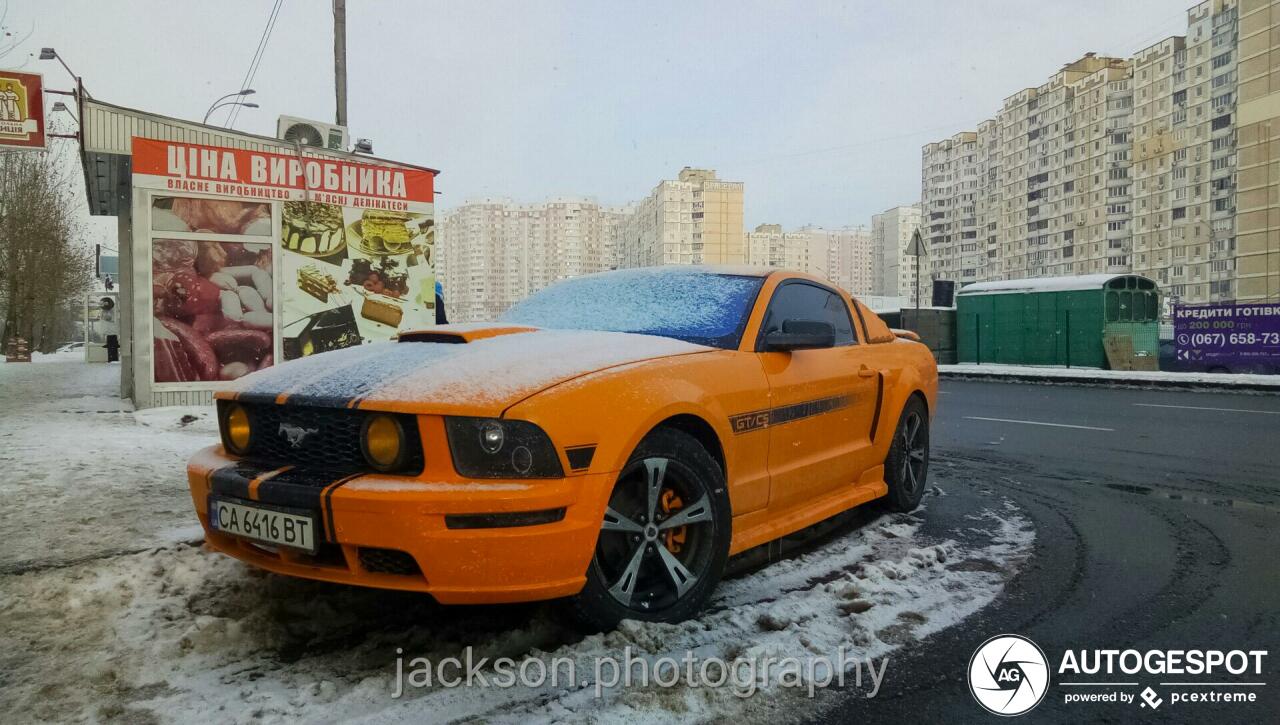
pixel 497 448
pixel 383 442
pixel 236 430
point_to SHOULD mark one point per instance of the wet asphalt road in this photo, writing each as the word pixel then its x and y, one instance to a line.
pixel 1157 516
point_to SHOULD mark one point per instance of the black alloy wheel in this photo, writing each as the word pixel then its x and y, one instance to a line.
pixel 907 465
pixel 664 538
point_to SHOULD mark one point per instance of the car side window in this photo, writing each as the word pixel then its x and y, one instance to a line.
pixel 802 301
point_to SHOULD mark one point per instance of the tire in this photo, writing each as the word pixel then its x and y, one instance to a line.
pixel 906 468
pixel 634 573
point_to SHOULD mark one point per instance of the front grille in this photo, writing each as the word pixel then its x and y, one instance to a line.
pixel 320 439
pixel 388 561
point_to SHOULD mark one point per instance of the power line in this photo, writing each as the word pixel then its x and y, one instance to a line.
pixel 233 112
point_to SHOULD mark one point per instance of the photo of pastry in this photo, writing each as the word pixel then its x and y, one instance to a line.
pixel 381 233
pixel 215 216
pixel 323 331
pixel 382 276
pixel 312 228
pixel 316 283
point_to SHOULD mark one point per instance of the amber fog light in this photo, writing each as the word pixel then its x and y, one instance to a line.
pixel 383 442
pixel 236 431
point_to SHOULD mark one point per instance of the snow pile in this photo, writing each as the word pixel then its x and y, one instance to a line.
pixel 182 634
pixel 1106 376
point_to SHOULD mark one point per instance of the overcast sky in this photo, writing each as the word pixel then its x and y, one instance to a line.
pixel 820 107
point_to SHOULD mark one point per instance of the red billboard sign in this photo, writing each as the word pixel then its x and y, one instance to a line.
pixel 21 110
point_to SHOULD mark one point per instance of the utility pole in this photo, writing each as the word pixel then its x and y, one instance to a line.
pixel 340 59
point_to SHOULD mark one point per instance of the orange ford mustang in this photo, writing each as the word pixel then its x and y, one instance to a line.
pixel 612 439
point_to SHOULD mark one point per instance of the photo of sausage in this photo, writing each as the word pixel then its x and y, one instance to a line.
pixel 216 216
pixel 213 306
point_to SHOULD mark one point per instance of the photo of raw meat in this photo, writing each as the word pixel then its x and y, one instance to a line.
pixel 213 308
pixel 216 216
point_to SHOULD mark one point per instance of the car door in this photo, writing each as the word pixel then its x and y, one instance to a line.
pixel 821 400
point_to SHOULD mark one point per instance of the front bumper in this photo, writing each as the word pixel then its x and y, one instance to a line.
pixel 373 512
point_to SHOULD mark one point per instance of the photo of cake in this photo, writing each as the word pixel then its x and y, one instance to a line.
pixel 316 283
pixel 382 233
pixel 312 228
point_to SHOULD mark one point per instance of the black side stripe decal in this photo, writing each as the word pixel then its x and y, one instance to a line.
pixel 755 420
pixel 875 417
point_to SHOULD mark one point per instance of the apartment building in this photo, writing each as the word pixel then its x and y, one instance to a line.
pixel 892 271
pixel 948 204
pixel 693 219
pixel 1119 165
pixel 493 253
pixel 1257 258
pixel 850 256
pixel 1185 146
pixel 843 255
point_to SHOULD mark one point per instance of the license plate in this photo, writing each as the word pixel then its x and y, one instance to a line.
pixel 271 526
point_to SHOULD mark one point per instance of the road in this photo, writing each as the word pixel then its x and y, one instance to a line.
pixel 1156 516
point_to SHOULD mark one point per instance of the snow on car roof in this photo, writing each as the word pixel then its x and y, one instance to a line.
pixel 1041 284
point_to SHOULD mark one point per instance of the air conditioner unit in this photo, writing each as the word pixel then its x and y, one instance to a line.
pixel 312 133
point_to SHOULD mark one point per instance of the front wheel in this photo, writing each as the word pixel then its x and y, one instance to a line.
pixel 664 539
pixel 907 465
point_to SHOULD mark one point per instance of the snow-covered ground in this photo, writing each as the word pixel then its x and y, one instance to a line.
pixel 81 474
pixel 1107 376
pixel 105 612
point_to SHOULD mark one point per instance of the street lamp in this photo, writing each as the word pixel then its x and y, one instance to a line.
pixel 51 54
pixel 237 94
pixel 230 103
pixel 60 106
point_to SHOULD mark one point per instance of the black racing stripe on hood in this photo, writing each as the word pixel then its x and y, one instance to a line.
pixel 348 379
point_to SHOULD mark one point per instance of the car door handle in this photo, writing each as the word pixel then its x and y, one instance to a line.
pixel 866 372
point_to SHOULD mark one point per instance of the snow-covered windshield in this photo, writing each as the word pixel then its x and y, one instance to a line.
pixel 698 306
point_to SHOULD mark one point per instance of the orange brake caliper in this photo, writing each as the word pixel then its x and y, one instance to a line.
pixel 674 538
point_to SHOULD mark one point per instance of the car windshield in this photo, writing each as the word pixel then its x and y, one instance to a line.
pixel 696 306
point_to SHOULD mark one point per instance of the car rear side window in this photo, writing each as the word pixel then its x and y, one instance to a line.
pixel 804 301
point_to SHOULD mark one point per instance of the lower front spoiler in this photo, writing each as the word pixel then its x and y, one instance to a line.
pixel 370 521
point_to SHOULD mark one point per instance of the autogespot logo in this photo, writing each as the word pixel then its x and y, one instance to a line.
pixel 1008 675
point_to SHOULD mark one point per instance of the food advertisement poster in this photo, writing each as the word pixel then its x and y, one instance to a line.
pixel 258 256
pixel 21 110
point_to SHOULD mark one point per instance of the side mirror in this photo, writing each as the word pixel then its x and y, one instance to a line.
pixel 800 335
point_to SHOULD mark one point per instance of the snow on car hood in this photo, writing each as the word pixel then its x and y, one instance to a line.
pixel 482 377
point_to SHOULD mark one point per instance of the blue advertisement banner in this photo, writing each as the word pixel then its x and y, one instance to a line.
pixel 1227 333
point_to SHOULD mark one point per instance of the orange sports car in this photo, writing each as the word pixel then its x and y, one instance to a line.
pixel 612 439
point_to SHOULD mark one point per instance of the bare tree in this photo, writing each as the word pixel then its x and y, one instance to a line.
pixel 44 265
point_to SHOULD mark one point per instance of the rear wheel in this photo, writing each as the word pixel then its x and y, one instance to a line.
pixel 907 465
pixel 664 539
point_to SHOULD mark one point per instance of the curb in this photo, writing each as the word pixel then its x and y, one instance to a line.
pixel 1090 381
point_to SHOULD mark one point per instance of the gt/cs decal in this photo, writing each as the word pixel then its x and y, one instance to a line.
pixel 747 422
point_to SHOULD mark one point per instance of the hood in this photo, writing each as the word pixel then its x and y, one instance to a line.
pixel 467 370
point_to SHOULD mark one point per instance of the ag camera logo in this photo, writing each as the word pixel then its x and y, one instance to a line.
pixel 1008 675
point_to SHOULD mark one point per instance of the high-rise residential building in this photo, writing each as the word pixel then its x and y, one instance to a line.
pixel 948 203
pixel 1061 170
pixel 892 270
pixel 842 255
pixel 1257 258
pixel 1185 157
pixel 494 253
pixel 850 256
pixel 1119 165
pixel 694 219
